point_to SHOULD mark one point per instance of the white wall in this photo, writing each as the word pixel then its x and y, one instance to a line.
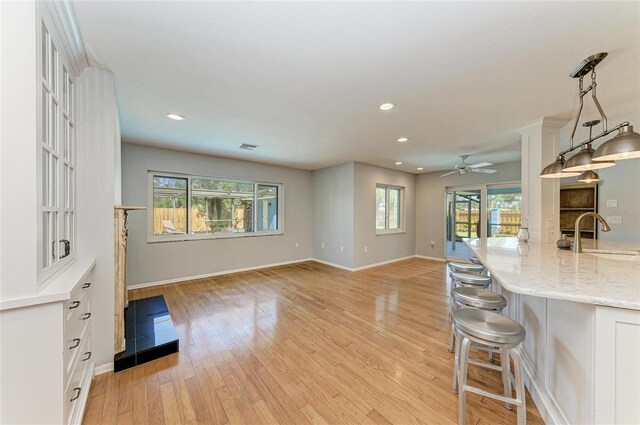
pixel 153 262
pixel 621 183
pixel 98 141
pixel 430 199
pixel 18 150
pixel 389 246
pixel 333 205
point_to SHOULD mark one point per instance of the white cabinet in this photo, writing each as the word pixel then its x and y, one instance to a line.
pixel 581 361
pixel 46 356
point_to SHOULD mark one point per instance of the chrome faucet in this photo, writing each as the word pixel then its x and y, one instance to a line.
pixel 577 242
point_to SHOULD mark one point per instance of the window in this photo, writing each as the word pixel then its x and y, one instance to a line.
pixel 389 209
pixel 187 207
pixel 56 158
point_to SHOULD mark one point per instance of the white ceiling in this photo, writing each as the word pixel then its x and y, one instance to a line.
pixel 303 80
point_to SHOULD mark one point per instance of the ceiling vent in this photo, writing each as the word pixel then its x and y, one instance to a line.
pixel 248 147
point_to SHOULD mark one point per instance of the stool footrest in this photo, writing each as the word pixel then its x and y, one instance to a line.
pixel 490 394
pixel 485 364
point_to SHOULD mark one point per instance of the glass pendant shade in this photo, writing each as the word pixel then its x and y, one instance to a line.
pixel 555 171
pixel 625 145
pixel 589 177
pixel 582 161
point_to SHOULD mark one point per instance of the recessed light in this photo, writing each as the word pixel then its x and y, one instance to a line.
pixel 403 139
pixel 398 162
pixel 175 116
pixel 420 168
pixel 386 106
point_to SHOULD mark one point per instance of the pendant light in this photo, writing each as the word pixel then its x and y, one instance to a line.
pixel 589 176
pixel 582 161
pixel 625 145
pixel 555 170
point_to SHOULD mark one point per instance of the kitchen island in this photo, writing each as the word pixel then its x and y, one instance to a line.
pixel 581 312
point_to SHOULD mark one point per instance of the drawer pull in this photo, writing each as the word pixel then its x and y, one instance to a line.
pixel 77 341
pixel 86 285
pixel 86 316
pixel 77 394
pixel 74 304
pixel 88 354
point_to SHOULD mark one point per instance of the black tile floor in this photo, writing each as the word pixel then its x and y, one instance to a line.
pixel 149 333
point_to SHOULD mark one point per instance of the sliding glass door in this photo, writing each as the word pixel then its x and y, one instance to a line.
pixel 504 210
pixel 467 215
pixel 464 211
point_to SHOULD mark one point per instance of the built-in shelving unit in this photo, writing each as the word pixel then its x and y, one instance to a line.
pixel 575 200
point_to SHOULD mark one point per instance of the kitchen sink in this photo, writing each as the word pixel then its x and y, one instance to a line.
pixel 618 256
pixel 612 251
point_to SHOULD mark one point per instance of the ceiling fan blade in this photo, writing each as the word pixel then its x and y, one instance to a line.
pixel 449 173
pixel 480 164
pixel 483 170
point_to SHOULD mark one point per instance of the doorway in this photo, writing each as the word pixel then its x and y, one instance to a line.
pixel 463 220
pixel 468 215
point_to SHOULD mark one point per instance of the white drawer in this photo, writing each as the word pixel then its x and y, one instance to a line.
pixel 79 292
pixel 81 355
pixel 73 347
pixel 76 388
pixel 77 315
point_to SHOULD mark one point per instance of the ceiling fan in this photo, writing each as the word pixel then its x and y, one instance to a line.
pixel 464 167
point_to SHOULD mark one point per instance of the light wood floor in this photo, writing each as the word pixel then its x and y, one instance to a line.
pixel 302 344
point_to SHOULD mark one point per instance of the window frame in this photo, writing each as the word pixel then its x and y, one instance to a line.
pixel 189 236
pixel 401 212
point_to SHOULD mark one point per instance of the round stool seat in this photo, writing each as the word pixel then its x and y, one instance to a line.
pixel 488 326
pixel 466 267
pixel 471 278
pixel 479 298
pixel 475 260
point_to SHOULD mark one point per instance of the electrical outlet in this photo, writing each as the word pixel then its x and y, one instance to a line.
pixel 365 248
pixel 297 244
pixel 612 203
pixel 322 245
pixel 341 249
pixel 614 219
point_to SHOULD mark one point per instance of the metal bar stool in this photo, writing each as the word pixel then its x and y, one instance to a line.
pixel 474 297
pixel 488 329
pixel 466 267
pixel 469 280
pixel 475 260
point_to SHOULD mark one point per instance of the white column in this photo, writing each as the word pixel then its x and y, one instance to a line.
pixel 541 197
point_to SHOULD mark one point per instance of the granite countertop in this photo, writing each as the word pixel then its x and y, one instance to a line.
pixel 541 269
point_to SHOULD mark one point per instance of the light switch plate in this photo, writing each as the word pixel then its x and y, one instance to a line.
pixel 614 219
pixel 612 203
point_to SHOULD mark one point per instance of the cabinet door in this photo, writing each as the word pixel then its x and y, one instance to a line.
pixel 56 151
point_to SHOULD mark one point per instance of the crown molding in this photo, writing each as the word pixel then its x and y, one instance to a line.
pixel 65 20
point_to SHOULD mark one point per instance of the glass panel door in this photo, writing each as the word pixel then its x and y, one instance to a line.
pixel 463 220
pixel 504 210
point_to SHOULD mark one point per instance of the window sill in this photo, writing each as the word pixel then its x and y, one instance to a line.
pixel 191 238
pixel 389 232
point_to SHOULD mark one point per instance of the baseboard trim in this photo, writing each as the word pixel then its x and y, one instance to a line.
pixel 424 257
pixel 382 263
pixel 266 266
pixel 105 368
pixel 219 273
pixel 336 265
